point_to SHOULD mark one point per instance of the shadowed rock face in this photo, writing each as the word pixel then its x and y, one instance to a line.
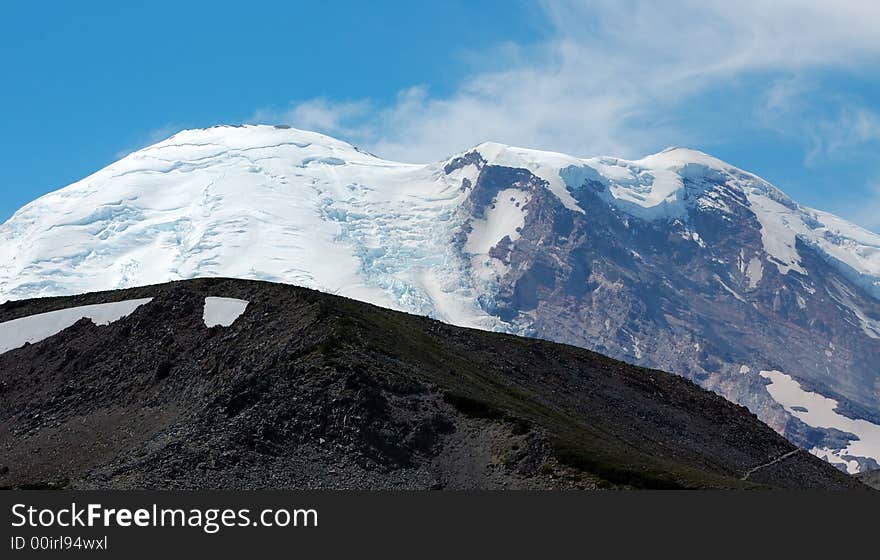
pixel 695 294
pixel 308 390
pixel 871 478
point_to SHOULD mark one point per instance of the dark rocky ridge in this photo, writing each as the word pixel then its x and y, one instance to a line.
pixel 871 478
pixel 308 390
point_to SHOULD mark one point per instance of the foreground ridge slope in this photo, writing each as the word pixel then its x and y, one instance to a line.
pixel 308 390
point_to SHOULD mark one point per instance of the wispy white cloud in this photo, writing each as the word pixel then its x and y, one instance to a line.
pixel 857 202
pixel 617 77
pixel 829 124
pixel 871 212
pixel 153 136
pixel 851 128
pixel 322 114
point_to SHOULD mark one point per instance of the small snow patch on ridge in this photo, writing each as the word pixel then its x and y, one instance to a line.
pixel 220 311
pixel 34 328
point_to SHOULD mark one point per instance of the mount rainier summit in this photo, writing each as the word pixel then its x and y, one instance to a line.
pixel 677 261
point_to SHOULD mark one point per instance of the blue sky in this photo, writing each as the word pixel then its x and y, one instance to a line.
pixel 788 89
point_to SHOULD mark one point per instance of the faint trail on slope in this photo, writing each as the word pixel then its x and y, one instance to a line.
pixel 751 471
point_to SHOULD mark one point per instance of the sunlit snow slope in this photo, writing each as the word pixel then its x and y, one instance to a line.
pixel 253 202
pixel 678 261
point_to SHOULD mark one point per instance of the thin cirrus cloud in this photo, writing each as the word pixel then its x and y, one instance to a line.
pixel 829 124
pixel 626 78
pixel 867 211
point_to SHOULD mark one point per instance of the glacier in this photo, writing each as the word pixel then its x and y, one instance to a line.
pixel 286 205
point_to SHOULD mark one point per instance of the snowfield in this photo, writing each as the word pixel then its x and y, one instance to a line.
pixel 30 330
pixel 821 412
pixel 220 311
pixel 254 202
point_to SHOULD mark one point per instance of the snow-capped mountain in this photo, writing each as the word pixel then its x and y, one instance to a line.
pixel 677 261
